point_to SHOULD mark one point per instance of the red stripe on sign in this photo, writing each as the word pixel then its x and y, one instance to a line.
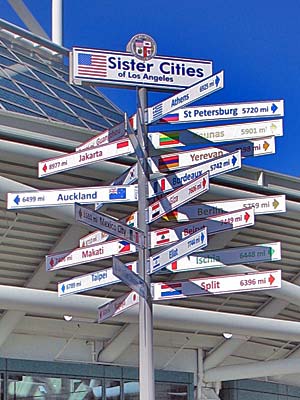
pixel 155 206
pixel 171 285
pixel 122 144
pixel 174 265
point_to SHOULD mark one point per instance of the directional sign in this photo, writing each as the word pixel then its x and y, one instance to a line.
pixel 109 225
pixel 221 258
pixel 84 157
pixel 123 69
pixel 217 285
pixel 179 196
pixel 117 306
pixel 83 255
pixel 89 195
pixel 128 177
pixel 217 166
pixel 261 205
pixel 90 281
pixel 99 236
pixel 215 224
pixel 189 245
pixel 216 134
pixel 217 112
pixel 130 278
pixel 249 148
pixel 109 135
pixel 201 89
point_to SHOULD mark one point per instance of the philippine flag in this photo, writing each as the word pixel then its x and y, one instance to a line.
pixel 124 246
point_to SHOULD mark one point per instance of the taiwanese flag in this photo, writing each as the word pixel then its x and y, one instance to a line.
pixel 168 139
pixel 124 246
pixel 168 162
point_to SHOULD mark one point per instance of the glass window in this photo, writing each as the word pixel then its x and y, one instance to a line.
pixel 112 389
pixel 37 387
pixel 30 82
pixel 71 98
pixel 13 107
pixel 131 390
pixel 59 115
pixel 35 94
pixel 6 61
pixel 171 391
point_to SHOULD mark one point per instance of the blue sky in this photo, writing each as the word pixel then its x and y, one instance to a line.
pixel 255 42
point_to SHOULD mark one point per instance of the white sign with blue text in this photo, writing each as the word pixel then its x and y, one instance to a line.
pixel 123 69
pixel 186 246
pixel 198 91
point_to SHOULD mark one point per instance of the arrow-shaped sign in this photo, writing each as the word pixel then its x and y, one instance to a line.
pixel 221 258
pixel 217 285
pixel 217 166
pixel 198 91
pixel 217 112
pixel 83 255
pixel 84 157
pixel 216 134
pixel 109 225
pixel 215 224
pixel 117 306
pixel 178 197
pixel 261 205
pixel 130 278
pixel 249 148
pixel 189 245
pixel 85 195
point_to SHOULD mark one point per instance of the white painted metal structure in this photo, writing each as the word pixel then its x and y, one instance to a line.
pixel 188 334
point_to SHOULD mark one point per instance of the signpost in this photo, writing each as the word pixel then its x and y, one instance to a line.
pixel 249 148
pixel 217 285
pixel 195 241
pixel 215 224
pixel 124 69
pixel 83 255
pixel 117 306
pixel 217 166
pixel 221 258
pixel 140 67
pixel 109 225
pixel 201 89
pixel 91 281
pixel 84 157
pixel 217 112
pixel 261 205
pixel 89 195
pixel 216 134
pixel 179 196
pixel 109 135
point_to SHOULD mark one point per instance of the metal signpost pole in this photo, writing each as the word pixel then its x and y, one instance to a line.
pixel 146 369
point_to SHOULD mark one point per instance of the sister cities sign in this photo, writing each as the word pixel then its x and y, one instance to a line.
pixel 123 69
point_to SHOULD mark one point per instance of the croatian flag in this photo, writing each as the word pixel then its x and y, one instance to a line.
pixel 92 64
